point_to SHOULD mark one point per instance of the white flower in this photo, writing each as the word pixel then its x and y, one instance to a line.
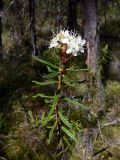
pixel 73 41
pixel 54 43
pixel 69 51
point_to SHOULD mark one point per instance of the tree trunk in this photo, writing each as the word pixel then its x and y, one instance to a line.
pixel 91 32
pixel 18 11
pixel 1 47
pixel 72 15
pixel 32 27
pixel 92 37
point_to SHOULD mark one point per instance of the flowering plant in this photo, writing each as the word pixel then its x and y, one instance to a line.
pixel 69 43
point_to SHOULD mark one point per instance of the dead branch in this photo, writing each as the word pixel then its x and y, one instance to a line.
pixel 115 122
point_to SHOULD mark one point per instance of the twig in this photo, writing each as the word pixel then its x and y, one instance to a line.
pixel 3 12
pixel 100 151
pixel 3 158
pixel 118 158
pixel 115 122
pixel 99 127
pixel 35 153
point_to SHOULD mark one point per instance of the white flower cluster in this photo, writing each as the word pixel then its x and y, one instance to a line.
pixel 73 41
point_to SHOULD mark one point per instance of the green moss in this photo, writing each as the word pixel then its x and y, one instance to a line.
pixel 113 88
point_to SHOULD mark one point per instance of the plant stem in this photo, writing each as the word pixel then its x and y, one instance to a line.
pixel 64 61
pixel 61 69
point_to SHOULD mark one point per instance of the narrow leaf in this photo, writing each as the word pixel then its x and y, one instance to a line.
pixel 64 120
pixel 52 75
pixel 43 96
pixel 44 83
pixel 51 132
pixel 46 62
pixel 49 116
pixel 50 113
pixel 59 154
pixel 69 134
pixel 56 98
pixel 31 116
pixel 67 141
pixel 67 81
pixel 74 102
pixel 50 69
pixel 76 69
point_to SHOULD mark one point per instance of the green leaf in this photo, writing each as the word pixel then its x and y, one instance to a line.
pixel 31 116
pixel 69 133
pixel 106 47
pixel 76 69
pixel 50 113
pixel 44 83
pixel 52 75
pixel 42 116
pixel 51 132
pixel 67 141
pixel 74 102
pixel 50 69
pixel 59 154
pixel 56 98
pixel 46 62
pixel 43 96
pixel 64 120
pixel 49 116
pixel 48 101
pixel 67 81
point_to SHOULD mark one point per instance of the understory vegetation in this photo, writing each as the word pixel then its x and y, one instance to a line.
pixel 31 91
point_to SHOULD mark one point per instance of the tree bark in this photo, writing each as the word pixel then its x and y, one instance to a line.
pixel 18 12
pixel 91 33
pixel 1 46
pixel 72 14
pixel 32 27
